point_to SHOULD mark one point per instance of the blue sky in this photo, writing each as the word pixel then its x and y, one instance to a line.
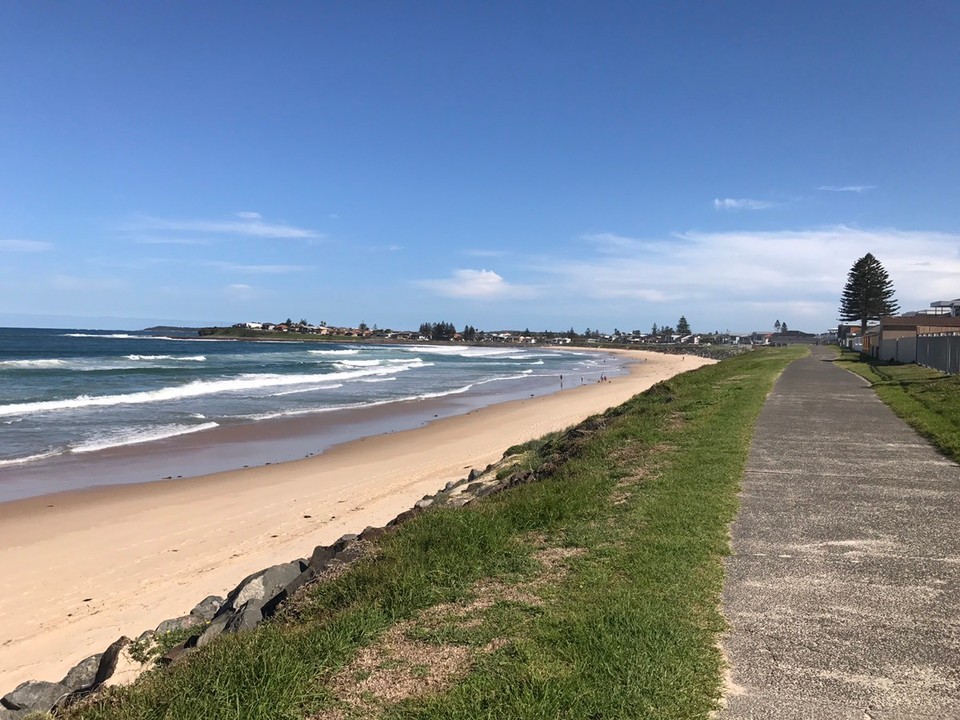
pixel 502 164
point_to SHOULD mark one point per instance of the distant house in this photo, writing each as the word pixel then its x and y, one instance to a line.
pixel 849 336
pixel 794 337
pixel 895 338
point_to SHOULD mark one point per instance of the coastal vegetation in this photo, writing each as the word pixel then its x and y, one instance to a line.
pixel 592 592
pixel 928 400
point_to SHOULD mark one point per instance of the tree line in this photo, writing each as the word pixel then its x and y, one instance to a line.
pixel 446 331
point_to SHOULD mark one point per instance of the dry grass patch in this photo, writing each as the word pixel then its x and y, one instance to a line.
pixel 554 560
pixel 441 644
pixel 675 421
pixel 396 668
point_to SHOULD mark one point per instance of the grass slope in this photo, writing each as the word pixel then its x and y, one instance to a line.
pixel 592 593
pixel 928 400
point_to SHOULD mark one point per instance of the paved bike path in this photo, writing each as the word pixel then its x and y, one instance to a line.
pixel 843 590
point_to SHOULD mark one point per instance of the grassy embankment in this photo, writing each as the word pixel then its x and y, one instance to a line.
pixel 928 400
pixel 592 593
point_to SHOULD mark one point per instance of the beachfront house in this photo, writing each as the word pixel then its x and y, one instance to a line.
pixel 894 339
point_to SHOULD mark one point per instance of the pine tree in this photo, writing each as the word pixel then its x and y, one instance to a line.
pixel 868 294
pixel 683 327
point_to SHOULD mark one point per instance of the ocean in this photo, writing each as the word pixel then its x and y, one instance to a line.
pixel 73 403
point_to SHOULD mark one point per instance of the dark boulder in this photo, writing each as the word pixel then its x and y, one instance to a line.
pixel 82 675
pixel 261 586
pixel 344 542
pixel 207 608
pixel 178 651
pixel 322 555
pixel 108 663
pixel 371 533
pixel 247 617
pixel 270 607
pixel 35 696
pixel 214 629
pixel 180 623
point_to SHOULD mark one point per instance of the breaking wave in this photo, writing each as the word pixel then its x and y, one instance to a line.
pixel 197 388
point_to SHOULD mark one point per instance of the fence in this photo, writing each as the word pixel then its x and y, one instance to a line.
pixel 902 350
pixel 939 351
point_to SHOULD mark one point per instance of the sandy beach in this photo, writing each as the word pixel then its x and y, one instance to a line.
pixel 83 568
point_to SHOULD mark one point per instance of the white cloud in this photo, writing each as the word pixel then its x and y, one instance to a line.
pixel 477 285
pixel 141 263
pixel 240 291
pixel 486 253
pixel 258 269
pixel 250 224
pixel 24 246
pixel 611 243
pixel 741 204
pixel 171 241
pixel 74 283
pixel 847 188
pixel 738 276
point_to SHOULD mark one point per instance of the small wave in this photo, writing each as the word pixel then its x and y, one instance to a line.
pixel 467 351
pixel 334 352
pixel 185 358
pixel 299 391
pixel 30 458
pixel 140 435
pixel 398 363
pixel 118 336
pixel 443 393
pixel 32 364
pixel 376 380
pixel 358 363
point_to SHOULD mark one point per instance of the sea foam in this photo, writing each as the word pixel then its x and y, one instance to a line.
pixel 196 388
pixel 30 458
pixel 184 358
pixel 139 435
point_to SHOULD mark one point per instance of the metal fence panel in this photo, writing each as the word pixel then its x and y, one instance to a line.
pixel 907 350
pixel 939 351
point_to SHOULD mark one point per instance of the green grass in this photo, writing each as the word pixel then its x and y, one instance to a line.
pixel 928 400
pixel 636 506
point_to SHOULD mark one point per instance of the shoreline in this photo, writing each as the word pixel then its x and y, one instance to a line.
pixel 235 445
pixel 87 566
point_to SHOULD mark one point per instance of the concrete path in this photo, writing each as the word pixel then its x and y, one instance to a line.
pixel 843 592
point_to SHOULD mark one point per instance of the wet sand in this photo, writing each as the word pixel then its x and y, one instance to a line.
pixel 83 567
